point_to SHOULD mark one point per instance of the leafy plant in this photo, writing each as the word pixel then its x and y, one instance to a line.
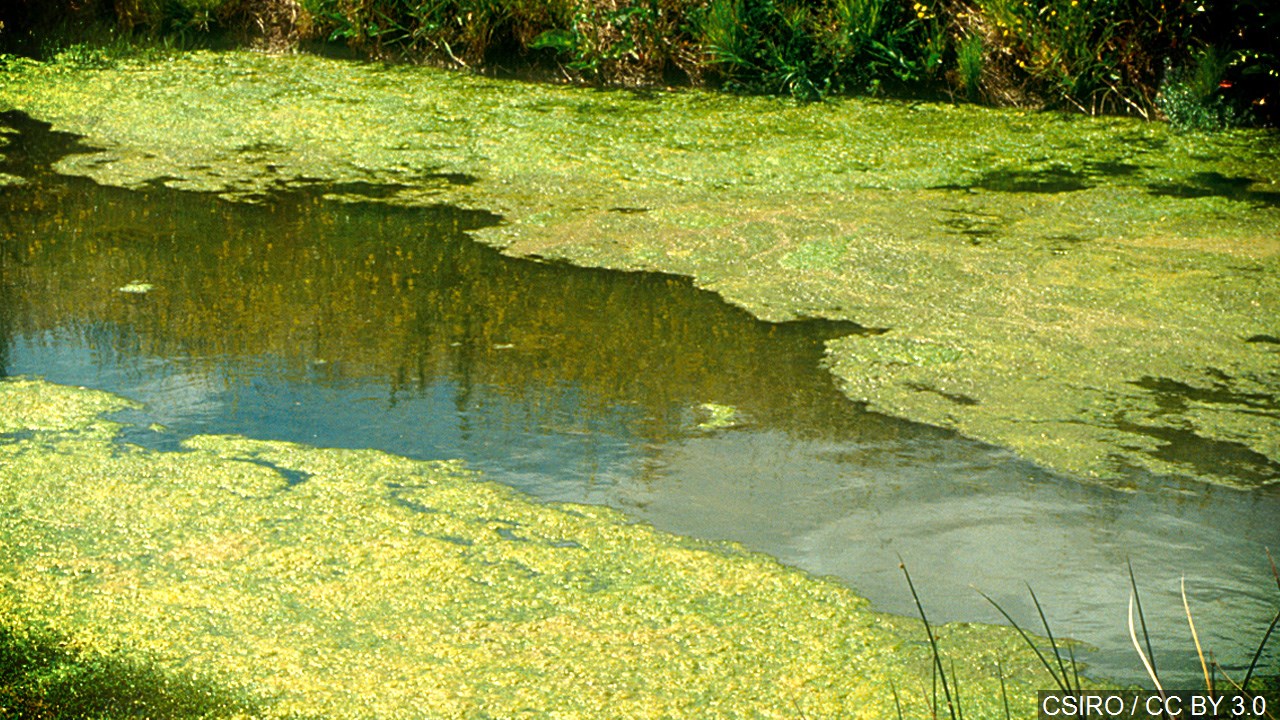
pixel 1191 96
pixel 611 44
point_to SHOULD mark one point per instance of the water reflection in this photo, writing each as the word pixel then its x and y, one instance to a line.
pixel 339 291
pixel 347 323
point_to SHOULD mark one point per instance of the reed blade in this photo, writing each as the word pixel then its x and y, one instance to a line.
pixel 1262 645
pixel 1057 654
pixel 1195 637
pixel 933 643
pixel 1142 618
pixel 1027 639
pixel 1133 635
pixel 1004 694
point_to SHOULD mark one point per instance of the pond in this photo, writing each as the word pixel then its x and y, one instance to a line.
pixel 315 315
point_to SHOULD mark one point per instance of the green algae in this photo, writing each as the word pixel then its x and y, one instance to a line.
pixel 46 674
pixel 1061 260
pixel 35 406
pixel 383 587
pixel 136 287
pixel 714 416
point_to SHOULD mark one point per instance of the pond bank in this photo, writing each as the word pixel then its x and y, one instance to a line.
pixel 322 582
pixel 1097 295
pixel 1207 65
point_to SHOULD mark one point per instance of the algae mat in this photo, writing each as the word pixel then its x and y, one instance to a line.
pixel 346 583
pixel 1099 295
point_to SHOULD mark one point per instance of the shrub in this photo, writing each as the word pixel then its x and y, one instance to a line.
pixel 1098 56
pixel 467 32
pixel 811 49
pixel 1191 96
pixel 628 42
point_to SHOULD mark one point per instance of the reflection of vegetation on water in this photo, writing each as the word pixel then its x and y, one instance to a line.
pixel 1032 270
pixel 349 583
pixel 350 289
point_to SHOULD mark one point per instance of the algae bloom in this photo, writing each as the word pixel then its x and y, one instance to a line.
pixel 1081 290
pixel 718 417
pixel 357 584
pixel 136 287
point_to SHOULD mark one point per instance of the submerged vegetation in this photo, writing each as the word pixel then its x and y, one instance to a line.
pixel 1207 64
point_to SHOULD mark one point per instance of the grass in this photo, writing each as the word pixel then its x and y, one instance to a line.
pixel 953 706
pixel 1065 670
pixel 969 62
pixel 1067 681
pixel 1211 669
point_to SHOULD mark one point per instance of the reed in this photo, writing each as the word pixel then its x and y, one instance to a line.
pixel 939 673
pixel 1069 682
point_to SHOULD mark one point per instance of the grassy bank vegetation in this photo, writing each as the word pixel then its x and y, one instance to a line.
pixel 1200 64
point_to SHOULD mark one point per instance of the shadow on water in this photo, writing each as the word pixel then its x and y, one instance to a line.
pixel 319 317
pixel 1051 180
pixel 1214 184
pixel 1186 448
pixel 1174 396
pixel 1048 180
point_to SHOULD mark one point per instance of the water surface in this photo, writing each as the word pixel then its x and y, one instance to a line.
pixel 315 315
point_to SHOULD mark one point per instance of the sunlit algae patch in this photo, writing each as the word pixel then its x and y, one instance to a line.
pixel 357 584
pixel 1098 294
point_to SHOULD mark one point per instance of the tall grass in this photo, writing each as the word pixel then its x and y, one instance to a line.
pixel 1065 671
pixel 969 65
pixel 954 710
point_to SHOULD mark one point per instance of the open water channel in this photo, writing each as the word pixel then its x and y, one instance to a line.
pixel 320 316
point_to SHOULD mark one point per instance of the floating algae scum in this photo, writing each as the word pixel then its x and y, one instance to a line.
pixel 1098 296
pixel 376 586
pixel 1081 291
